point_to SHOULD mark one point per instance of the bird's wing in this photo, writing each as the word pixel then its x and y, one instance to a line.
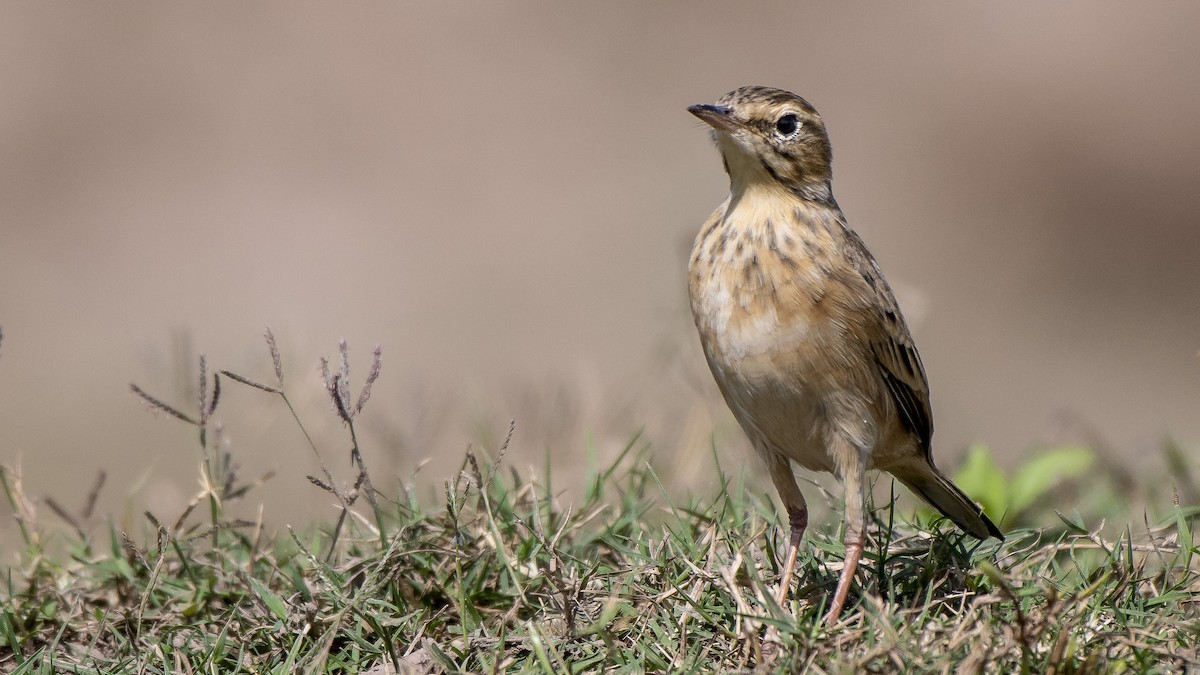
pixel 902 372
pixel 895 354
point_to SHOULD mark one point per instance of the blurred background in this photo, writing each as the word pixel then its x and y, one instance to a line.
pixel 504 196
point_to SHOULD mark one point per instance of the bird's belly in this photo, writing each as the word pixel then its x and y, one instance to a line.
pixel 772 368
pixel 787 370
pixel 749 333
pixel 783 417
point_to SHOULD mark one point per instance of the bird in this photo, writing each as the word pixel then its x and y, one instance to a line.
pixel 801 331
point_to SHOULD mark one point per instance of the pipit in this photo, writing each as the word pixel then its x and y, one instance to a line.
pixel 802 333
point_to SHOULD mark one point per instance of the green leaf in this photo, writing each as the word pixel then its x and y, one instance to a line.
pixel 1077 526
pixel 984 480
pixel 1040 474
pixel 1185 539
pixel 274 603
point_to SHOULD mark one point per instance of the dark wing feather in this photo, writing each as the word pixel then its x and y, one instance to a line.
pixel 904 376
pixel 899 364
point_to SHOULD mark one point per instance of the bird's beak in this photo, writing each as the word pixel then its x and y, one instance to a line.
pixel 719 117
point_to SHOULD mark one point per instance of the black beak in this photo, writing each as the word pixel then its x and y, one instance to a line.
pixel 717 116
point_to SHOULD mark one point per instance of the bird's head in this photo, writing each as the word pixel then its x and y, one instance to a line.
pixel 770 137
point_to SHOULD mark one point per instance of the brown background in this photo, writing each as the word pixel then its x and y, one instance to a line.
pixel 504 195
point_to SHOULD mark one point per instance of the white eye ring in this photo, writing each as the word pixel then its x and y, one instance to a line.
pixel 788 125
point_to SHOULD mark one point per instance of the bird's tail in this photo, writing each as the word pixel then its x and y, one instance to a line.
pixel 934 487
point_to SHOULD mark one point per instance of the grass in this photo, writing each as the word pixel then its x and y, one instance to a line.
pixel 500 575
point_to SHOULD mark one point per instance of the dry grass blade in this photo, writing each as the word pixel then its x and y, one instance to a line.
pixel 376 367
pixel 247 381
pixel 202 390
pixel 156 404
pixel 70 520
pixel 276 360
pixel 337 394
pixel 89 504
pixel 216 397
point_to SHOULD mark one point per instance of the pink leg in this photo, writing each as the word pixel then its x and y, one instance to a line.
pixel 854 480
pixel 854 551
pixel 780 468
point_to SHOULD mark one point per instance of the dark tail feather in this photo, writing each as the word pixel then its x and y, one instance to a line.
pixel 945 496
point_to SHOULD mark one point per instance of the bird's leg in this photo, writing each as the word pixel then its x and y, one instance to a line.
pixel 780 468
pixel 799 521
pixel 854 480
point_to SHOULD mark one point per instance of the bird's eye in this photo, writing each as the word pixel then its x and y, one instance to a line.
pixel 788 124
